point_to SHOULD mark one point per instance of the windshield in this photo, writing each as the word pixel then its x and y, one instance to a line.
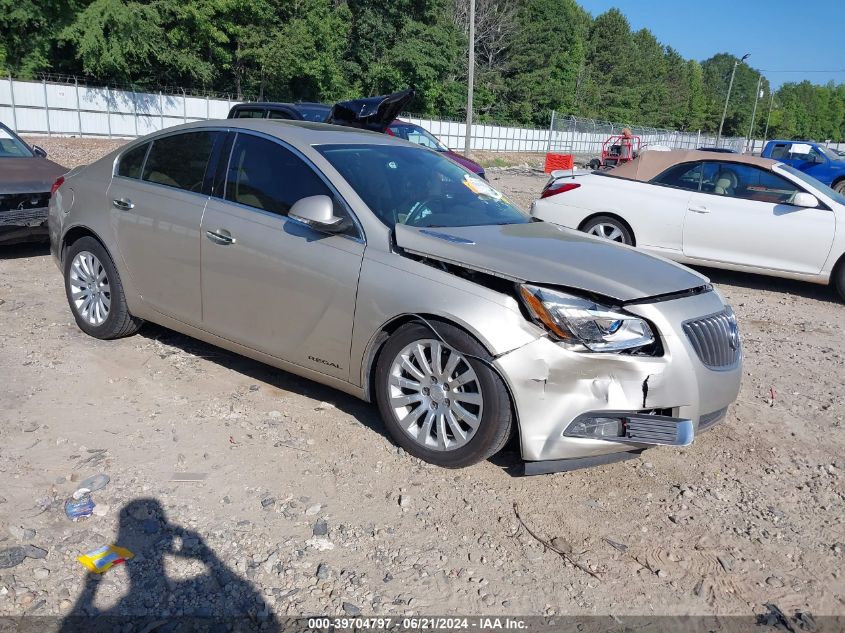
pixel 831 154
pixel 418 135
pixel 11 146
pixel 812 182
pixel 418 187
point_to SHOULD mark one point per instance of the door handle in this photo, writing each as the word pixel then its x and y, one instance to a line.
pixel 124 204
pixel 700 209
pixel 220 236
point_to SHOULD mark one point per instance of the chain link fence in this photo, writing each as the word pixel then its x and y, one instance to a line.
pixel 583 137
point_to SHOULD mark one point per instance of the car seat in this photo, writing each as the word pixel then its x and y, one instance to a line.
pixel 726 183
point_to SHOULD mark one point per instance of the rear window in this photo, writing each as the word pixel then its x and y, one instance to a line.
pixel 316 113
pixel 179 160
pixel 132 161
pixel 248 114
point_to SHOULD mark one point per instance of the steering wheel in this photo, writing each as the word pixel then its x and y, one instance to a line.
pixel 415 215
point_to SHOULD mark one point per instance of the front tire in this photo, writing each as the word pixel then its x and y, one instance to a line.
pixel 610 228
pixel 438 401
pixel 95 293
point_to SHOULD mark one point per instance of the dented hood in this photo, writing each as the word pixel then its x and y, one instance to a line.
pixel 548 254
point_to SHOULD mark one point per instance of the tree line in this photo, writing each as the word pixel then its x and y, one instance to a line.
pixel 532 56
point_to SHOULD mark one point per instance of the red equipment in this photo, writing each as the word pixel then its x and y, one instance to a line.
pixel 616 150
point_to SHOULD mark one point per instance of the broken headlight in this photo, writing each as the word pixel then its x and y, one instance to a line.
pixel 581 321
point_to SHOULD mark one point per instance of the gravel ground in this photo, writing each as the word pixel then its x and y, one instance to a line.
pixel 243 488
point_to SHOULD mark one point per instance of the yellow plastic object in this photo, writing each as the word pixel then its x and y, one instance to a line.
pixel 104 558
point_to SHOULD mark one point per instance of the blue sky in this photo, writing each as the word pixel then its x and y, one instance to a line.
pixel 779 34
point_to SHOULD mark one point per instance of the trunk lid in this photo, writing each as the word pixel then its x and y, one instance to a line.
pixel 370 113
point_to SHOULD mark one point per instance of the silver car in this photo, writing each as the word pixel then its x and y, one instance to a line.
pixel 387 271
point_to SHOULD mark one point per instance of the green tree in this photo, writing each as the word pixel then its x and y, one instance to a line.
pixel 28 27
pixel 117 41
pixel 545 70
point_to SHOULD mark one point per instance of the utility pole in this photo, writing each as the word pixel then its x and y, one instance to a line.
pixel 728 98
pixel 471 79
pixel 766 132
pixel 757 95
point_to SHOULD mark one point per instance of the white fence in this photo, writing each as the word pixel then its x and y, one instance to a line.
pixel 72 109
pixel 32 107
pixel 63 109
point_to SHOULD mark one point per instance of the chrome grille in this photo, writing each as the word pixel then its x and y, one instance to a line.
pixel 715 339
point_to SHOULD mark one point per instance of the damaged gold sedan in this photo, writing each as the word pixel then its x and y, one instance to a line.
pixel 385 270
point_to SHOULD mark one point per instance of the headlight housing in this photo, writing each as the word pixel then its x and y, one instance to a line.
pixel 580 321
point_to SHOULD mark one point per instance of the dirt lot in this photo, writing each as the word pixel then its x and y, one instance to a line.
pixel 297 500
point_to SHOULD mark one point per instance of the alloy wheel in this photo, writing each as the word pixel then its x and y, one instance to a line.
pixel 608 231
pixel 89 288
pixel 435 395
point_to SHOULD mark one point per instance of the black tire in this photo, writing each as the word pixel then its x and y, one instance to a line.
pixel 839 187
pixel 496 421
pixel 595 163
pixel 627 237
pixel 118 322
pixel 838 278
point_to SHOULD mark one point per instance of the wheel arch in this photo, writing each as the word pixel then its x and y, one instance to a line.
pixel 615 216
pixel 379 339
pixel 74 234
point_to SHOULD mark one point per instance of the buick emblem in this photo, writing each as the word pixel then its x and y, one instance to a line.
pixel 733 335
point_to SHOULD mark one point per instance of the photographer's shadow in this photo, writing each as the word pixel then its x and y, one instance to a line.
pixel 216 600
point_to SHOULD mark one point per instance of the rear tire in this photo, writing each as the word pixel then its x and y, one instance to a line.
pixel 610 228
pixel 839 278
pixel 452 412
pixel 95 293
pixel 839 187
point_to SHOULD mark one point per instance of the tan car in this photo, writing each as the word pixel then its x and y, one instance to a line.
pixel 391 273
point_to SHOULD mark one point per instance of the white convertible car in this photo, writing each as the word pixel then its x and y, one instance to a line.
pixel 721 210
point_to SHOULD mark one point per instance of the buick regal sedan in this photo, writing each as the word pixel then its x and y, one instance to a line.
pixel 383 269
pixel 729 211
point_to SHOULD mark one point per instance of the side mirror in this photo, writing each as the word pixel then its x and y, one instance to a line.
pixel 316 211
pixel 39 151
pixel 804 199
pixel 818 159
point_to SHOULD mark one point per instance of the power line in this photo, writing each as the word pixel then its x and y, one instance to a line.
pixel 803 71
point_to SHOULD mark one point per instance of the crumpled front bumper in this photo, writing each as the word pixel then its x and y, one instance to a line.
pixel 551 386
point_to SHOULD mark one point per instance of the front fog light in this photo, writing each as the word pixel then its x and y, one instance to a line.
pixel 595 427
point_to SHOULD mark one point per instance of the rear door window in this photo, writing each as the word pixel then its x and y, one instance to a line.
pixel 780 151
pixel 132 161
pixel 279 114
pixel 180 160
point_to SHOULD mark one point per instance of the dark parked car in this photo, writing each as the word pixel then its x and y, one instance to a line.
pixel 289 111
pixel 377 114
pixel 26 177
pixel 421 136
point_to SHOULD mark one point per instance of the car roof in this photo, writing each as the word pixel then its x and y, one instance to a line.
pixel 301 133
pixel 650 164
